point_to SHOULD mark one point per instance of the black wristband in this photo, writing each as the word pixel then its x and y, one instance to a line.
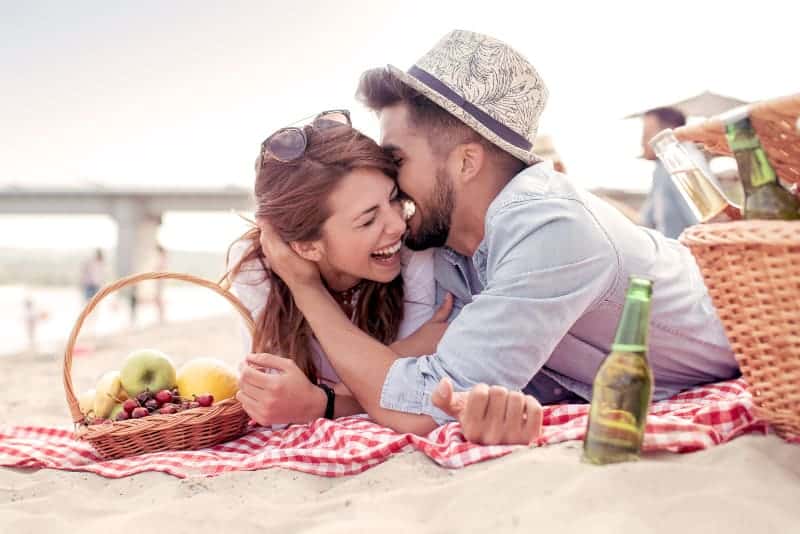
pixel 331 399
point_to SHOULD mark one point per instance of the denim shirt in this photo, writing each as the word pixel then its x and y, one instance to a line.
pixel 537 305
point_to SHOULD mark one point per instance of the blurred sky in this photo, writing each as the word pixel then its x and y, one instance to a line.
pixel 182 93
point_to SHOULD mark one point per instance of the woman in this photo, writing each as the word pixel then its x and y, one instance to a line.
pixel 329 191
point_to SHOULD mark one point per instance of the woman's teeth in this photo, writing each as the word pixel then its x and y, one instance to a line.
pixel 387 252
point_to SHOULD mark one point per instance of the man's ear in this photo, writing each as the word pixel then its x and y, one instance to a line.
pixel 308 250
pixel 469 160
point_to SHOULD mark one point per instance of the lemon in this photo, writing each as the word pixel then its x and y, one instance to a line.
pixel 207 375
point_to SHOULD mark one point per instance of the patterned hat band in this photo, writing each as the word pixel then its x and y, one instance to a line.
pixel 499 129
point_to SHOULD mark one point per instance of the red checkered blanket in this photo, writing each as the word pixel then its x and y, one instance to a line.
pixel 690 421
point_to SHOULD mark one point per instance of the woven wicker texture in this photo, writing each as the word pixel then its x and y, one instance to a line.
pixel 752 271
pixel 775 122
pixel 190 429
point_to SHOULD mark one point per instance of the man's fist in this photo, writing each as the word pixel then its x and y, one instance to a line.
pixel 491 415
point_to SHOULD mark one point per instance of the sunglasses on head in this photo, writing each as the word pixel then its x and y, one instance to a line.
pixel 290 143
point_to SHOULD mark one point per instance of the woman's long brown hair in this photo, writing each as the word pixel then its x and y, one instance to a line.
pixel 293 197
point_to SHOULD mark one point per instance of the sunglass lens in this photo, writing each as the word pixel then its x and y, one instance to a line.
pixel 332 118
pixel 287 145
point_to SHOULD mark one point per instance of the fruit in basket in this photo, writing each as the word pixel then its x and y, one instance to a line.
pixel 205 400
pixel 130 405
pixel 115 411
pixel 86 401
pixel 164 396
pixel 147 370
pixel 139 412
pixel 108 392
pixel 169 408
pixel 207 376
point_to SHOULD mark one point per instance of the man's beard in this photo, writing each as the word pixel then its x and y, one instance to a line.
pixel 435 217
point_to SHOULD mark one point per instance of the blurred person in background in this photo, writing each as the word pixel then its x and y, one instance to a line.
pixel 92 274
pixel 665 209
pixel 543 147
pixel 161 265
pixel 33 316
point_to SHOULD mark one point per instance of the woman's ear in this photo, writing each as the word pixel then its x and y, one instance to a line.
pixel 308 250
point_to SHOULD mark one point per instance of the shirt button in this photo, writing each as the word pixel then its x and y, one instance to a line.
pixel 558 391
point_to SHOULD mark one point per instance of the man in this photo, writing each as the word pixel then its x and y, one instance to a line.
pixel 665 209
pixel 538 267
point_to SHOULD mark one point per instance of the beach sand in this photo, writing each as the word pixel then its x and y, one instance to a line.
pixel 749 485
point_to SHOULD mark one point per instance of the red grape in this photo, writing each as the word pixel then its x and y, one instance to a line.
pixel 205 400
pixel 164 396
pixel 139 412
pixel 152 405
pixel 168 408
pixel 130 405
pixel 122 415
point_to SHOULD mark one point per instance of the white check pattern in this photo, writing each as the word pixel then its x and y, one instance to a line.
pixel 690 421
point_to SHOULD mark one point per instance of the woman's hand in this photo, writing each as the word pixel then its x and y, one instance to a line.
pixel 273 390
pixel 284 261
pixel 425 339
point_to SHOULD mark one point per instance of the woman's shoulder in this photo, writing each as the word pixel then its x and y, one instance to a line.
pixel 250 282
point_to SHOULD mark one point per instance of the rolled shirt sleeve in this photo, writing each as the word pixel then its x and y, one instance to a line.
pixel 544 263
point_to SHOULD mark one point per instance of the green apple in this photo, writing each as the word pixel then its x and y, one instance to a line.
pixel 147 369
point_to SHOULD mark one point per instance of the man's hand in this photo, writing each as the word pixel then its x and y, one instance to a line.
pixel 491 415
pixel 273 390
pixel 425 338
pixel 285 262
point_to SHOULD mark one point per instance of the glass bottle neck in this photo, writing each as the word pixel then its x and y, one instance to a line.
pixel 754 168
pixel 633 326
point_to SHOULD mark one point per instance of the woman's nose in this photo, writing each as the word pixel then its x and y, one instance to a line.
pixel 397 224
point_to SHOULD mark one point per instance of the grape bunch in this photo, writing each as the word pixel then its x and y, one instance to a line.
pixel 161 402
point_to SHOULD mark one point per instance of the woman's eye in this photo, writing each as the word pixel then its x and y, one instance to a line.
pixel 398 161
pixel 369 222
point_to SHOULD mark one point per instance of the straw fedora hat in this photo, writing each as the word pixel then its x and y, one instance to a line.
pixel 486 84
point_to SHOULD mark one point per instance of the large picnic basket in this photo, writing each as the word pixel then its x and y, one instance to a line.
pixel 752 271
pixel 189 429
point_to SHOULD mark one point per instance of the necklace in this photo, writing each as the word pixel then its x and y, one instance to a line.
pixel 347 299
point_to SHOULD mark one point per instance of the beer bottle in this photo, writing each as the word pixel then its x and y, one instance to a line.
pixel 701 193
pixel 623 385
pixel 764 198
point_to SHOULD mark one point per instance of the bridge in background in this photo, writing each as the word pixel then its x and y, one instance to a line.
pixel 137 212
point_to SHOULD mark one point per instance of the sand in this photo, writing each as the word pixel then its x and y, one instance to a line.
pixel 749 485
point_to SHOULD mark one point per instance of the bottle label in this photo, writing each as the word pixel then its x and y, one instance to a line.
pixel 743 142
pixel 762 172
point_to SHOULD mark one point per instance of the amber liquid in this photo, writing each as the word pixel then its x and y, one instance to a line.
pixel 620 401
pixel 705 199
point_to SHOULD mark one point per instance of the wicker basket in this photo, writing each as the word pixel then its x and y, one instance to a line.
pixel 775 121
pixel 189 429
pixel 752 271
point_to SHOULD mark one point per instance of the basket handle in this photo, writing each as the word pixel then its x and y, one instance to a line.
pixel 72 401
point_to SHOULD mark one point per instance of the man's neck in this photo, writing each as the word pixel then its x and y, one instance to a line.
pixel 469 217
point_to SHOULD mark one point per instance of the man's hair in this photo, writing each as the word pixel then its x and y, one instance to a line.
pixel 668 117
pixel 379 89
